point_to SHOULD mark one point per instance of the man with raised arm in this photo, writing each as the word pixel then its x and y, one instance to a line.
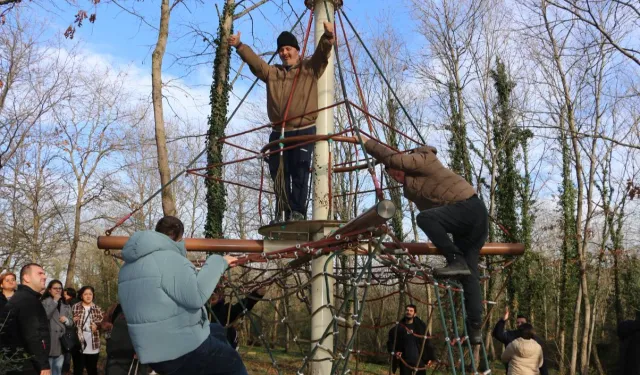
pixel 448 204
pixel 299 114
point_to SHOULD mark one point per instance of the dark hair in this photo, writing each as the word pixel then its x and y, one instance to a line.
pixel 520 316
pixel 526 331
pixel 170 226
pixel 415 309
pixel 84 289
pixel 26 269
pixel 4 276
pixel 47 292
pixel 71 292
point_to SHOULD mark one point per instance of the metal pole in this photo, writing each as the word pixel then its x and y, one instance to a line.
pixel 324 125
pixel 211 245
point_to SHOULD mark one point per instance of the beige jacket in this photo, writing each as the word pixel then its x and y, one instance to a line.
pixel 524 357
pixel 427 183
pixel 279 81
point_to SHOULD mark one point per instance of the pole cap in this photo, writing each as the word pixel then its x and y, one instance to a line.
pixel 337 4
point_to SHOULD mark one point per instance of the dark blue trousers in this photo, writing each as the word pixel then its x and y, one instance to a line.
pixel 213 357
pixel 297 165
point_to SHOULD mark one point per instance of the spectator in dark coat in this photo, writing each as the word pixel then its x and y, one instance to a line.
pixel 60 318
pixel 629 334
pixel 121 356
pixel 70 298
pixel 7 287
pixel 405 343
pixel 226 314
pixel 26 327
pixel 506 337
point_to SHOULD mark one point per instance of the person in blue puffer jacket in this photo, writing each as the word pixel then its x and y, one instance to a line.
pixel 163 297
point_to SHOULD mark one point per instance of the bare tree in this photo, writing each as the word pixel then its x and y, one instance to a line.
pixel 615 30
pixel 32 82
pixel 89 127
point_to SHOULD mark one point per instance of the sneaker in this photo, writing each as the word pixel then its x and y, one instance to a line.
pixel 475 334
pixel 296 216
pixel 455 268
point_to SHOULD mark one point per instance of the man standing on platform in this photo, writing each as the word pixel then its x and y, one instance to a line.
pixel 448 204
pixel 293 182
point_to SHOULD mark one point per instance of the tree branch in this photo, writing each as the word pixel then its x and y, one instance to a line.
pixel 249 9
pixel 7 2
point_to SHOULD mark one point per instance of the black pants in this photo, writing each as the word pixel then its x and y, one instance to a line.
pixel 66 366
pixel 125 366
pixel 408 371
pixel 468 223
pixel 297 164
pixel 213 357
pixel 83 361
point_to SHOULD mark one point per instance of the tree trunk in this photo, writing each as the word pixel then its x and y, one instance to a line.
pixel 576 328
pixel 71 268
pixel 219 98
pixel 168 200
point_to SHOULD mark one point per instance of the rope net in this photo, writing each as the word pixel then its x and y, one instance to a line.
pixel 372 283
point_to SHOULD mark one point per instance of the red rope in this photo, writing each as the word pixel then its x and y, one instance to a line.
pixel 231 182
pixel 239 147
pixel 383 123
pixel 355 73
pixel 191 171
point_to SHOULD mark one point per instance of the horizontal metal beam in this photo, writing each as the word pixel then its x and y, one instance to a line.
pixel 371 218
pixel 258 246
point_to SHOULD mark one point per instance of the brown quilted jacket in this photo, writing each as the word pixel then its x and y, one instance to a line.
pixel 427 182
pixel 279 81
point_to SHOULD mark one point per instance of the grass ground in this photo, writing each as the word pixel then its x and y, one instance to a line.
pixel 258 362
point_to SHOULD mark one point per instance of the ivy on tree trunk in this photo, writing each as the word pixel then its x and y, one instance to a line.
pixel 219 100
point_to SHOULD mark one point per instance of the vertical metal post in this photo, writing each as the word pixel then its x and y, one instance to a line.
pixel 324 125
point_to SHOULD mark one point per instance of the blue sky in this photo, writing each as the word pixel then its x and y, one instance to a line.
pixel 129 38
pixel 124 41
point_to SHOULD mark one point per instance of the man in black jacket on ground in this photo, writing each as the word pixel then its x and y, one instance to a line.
pixel 629 334
pixel 405 343
pixel 506 337
pixel 26 327
pixel 226 314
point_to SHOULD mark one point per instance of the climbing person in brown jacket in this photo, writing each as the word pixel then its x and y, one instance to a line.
pixel 279 80
pixel 448 204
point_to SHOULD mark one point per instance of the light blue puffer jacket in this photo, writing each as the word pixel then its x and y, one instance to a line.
pixel 163 296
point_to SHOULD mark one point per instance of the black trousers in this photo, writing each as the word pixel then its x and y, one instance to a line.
pixel 297 165
pixel 124 366
pixel 468 223
pixel 408 371
pixel 83 361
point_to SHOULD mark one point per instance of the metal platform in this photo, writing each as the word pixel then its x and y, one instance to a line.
pixel 301 231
